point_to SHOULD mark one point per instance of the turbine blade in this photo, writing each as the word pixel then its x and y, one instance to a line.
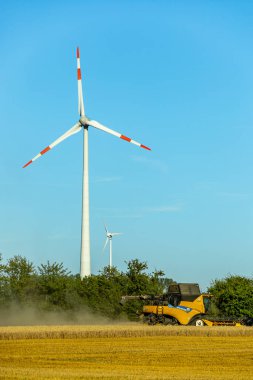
pixel 116 233
pixel 106 242
pixel 81 110
pixel 97 125
pixel 106 230
pixel 76 128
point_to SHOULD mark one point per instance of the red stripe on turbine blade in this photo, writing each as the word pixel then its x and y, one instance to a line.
pixel 77 53
pixel 28 163
pixel 79 74
pixel 125 138
pixel 45 150
pixel 145 147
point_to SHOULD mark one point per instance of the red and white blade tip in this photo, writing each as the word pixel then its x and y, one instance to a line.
pixel 77 52
pixel 28 163
pixel 145 147
pixel 76 128
pixel 132 141
pixel 97 125
pixel 38 155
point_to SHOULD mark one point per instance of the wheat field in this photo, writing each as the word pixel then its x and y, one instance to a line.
pixel 127 351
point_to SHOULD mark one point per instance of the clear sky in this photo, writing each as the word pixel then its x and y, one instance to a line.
pixel 176 76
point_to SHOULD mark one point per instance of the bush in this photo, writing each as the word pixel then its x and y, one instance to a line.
pixel 233 296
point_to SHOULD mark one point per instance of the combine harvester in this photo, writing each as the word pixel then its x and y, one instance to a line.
pixel 182 304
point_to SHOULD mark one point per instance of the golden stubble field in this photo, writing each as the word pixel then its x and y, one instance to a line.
pixel 127 351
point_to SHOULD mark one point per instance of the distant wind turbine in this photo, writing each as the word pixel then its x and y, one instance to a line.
pixel 83 123
pixel 109 236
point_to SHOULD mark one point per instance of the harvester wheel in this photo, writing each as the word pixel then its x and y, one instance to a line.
pixel 145 319
pixel 170 321
pixel 152 319
pixel 197 322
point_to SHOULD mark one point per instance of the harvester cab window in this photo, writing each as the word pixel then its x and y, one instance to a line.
pixel 174 300
pixel 207 303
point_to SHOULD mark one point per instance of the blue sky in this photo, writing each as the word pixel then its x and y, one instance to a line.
pixel 176 76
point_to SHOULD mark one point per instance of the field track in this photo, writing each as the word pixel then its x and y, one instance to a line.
pixel 127 351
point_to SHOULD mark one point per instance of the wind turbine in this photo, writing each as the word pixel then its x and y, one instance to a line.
pixel 83 123
pixel 109 236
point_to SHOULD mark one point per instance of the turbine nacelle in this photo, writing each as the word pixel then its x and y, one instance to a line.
pixel 111 234
pixel 84 121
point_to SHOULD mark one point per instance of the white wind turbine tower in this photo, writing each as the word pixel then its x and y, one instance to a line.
pixel 83 123
pixel 109 236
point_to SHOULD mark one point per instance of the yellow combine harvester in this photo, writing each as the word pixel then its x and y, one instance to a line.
pixel 183 304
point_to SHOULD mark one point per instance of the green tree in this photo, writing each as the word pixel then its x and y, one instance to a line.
pixel 20 279
pixel 2 282
pixel 53 284
pixel 139 282
pixel 102 293
pixel 233 296
pixel 138 279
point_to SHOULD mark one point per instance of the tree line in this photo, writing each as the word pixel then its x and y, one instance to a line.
pixel 51 287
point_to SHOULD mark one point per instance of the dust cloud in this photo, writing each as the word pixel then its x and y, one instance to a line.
pixel 16 315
